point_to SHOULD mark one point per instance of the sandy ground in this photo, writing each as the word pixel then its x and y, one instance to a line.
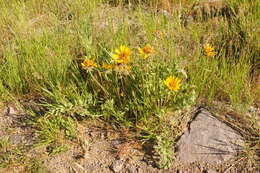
pixel 99 148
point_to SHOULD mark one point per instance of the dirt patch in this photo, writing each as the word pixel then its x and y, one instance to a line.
pixel 98 147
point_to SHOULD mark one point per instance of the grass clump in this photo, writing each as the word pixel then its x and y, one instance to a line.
pixel 14 157
pixel 9 156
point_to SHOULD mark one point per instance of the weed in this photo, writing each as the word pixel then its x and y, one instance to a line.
pixel 165 148
pixel 10 155
pixel 35 166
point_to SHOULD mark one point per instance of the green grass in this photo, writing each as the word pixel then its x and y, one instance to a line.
pixel 43 44
pixel 13 157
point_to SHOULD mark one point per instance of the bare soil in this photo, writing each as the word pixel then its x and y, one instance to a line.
pixel 99 147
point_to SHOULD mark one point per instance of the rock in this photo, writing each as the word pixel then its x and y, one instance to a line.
pixel 17 139
pixel 208 140
pixel 132 169
pixel 116 142
pixel 10 110
pixel 211 171
pixel 117 166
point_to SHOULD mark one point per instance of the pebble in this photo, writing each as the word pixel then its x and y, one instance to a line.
pixel 211 171
pixel 132 169
pixel 117 166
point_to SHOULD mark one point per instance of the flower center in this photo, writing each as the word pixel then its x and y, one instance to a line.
pixel 123 56
pixel 171 83
pixel 147 50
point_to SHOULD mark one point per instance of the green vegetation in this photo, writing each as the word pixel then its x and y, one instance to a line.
pixel 44 43
pixel 13 157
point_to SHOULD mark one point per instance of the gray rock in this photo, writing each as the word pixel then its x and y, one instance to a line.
pixel 132 169
pixel 10 110
pixel 208 140
pixel 117 166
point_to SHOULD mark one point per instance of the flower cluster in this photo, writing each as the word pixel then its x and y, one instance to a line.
pixel 121 59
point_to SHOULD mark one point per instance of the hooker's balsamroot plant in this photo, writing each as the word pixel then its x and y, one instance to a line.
pixel 134 83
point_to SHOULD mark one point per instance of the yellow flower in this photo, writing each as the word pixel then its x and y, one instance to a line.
pixel 209 50
pixel 146 51
pixel 107 66
pixel 173 83
pixel 121 55
pixel 88 63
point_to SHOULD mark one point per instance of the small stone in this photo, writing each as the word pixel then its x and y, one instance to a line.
pixel 10 110
pixel 116 142
pixel 117 166
pixel 92 133
pixel 132 169
pixel 102 136
pixel 211 171
pixel 17 139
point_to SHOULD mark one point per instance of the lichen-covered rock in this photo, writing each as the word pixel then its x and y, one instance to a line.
pixel 208 140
